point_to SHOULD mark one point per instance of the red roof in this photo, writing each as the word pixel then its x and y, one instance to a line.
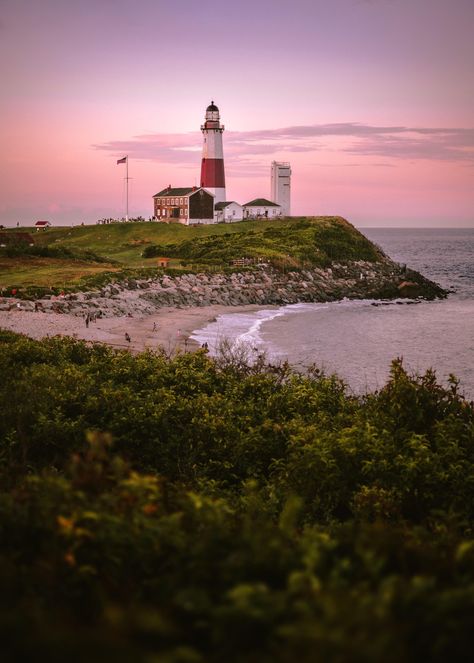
pixel 42 223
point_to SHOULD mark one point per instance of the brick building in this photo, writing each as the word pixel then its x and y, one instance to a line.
pixel 184 205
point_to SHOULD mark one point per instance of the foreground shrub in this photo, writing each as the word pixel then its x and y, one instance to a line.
pixel 188 509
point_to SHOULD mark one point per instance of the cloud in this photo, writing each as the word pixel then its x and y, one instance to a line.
pixel 393 142
pixel 434 145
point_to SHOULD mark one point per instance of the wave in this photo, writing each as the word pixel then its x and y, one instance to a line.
pixel 240 329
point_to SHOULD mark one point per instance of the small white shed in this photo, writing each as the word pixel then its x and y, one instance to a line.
pixel 229 211
pixel 42 225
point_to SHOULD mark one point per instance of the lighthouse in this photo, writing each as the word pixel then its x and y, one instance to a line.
pixel 212 165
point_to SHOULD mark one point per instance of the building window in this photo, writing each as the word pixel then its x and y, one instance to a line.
pixel 180 201
pixel 181 211
pixel 167 201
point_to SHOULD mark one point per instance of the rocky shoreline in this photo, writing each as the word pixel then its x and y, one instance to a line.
pixel 262 286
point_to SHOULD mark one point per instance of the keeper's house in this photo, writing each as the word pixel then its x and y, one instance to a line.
pixel 189 205
pixel 261 208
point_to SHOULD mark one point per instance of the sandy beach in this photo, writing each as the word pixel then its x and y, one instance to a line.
pixel 169 328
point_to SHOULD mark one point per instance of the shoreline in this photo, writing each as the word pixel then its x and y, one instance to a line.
pixel 162 313
pixel 169 328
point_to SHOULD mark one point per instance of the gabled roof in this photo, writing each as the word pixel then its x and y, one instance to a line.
pixel 183 191
pixel 42 223
pixel 225 204
pixel 261 202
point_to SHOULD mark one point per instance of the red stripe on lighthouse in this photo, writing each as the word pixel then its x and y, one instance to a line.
pixel 212 173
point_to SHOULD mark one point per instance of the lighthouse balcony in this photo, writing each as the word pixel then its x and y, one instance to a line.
pixel 212 126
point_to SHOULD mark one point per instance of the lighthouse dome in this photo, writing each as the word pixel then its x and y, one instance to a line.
pixel 212 113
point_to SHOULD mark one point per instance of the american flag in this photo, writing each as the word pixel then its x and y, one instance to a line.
pixel 124 160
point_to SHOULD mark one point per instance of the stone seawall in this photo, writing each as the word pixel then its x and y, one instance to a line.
pixel 355 280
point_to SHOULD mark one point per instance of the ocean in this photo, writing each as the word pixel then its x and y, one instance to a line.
pixel 359 339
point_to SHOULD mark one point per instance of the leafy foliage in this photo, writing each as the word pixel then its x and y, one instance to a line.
pixel 301 243
pixel 191 509
pixel 15 250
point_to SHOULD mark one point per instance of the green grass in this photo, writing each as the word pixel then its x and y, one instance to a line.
pixel 23 272
pixel 299 242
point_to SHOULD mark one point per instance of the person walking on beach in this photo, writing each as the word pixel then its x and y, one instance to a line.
pixel 154 326
pixel 127 337
pixel 87 319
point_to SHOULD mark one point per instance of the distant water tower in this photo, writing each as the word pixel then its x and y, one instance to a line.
pixel 212 166
pixel 281 186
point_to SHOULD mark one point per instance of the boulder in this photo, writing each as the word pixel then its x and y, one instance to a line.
pixel 409 289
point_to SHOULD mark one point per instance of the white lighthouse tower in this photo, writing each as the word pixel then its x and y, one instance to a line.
pixel 212 166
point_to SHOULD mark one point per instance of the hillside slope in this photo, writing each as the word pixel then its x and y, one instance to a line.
pixel 327 254
pixel 311 240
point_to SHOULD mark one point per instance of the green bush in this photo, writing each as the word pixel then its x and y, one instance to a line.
pixel 191 509
pixel 20 249
pixel 300 243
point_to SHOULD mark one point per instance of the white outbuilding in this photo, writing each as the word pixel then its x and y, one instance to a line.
pixel 229 211
pixel 261 208
pixel 42 225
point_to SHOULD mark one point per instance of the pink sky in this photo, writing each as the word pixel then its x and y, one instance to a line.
pixel 372 102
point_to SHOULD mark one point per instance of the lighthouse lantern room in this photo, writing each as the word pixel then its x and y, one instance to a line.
pixel 212 165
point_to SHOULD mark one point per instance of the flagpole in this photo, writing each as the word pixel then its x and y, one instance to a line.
pixel 126 216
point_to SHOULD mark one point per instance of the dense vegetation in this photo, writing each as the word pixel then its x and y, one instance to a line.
pixel 21 249
pixel 299 242
pixel 185 509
